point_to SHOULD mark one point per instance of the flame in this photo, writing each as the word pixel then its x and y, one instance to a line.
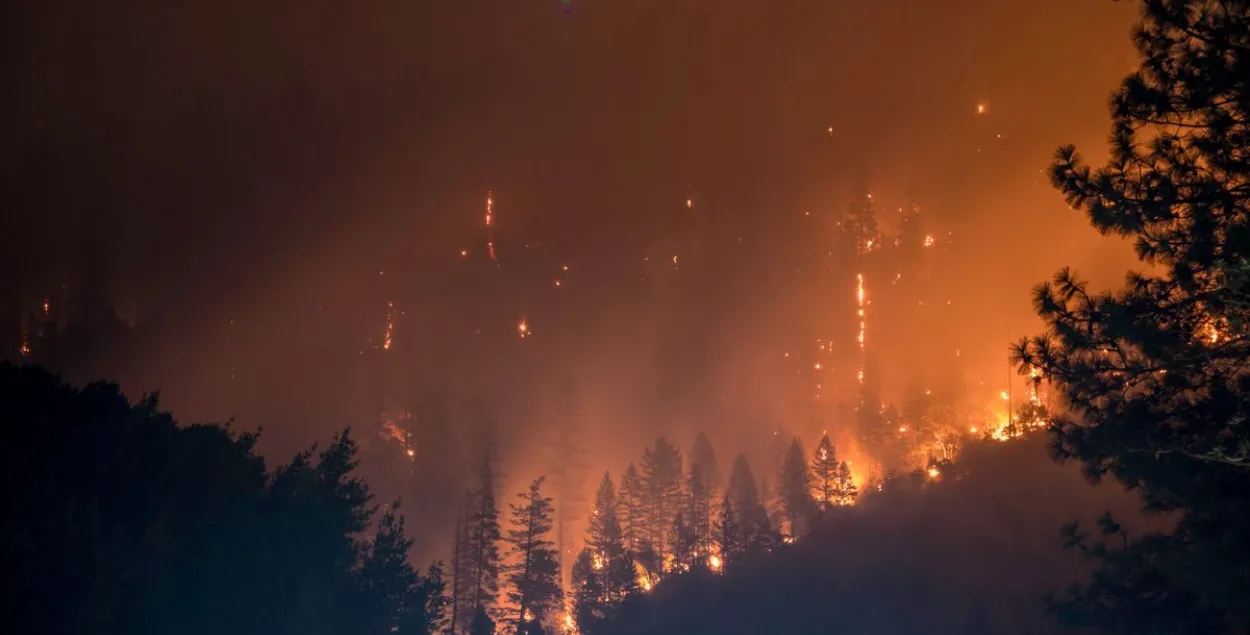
pixel 490 223
pixel 568 623
pixel 46 306
pixel 933 473
pixel 389 336
pixel 714 561
pixel 523 328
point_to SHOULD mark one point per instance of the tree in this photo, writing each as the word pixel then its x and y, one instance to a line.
pixel 1154 377
pixel 567 467
pixel 480 548
pixel 614 564
pixel 633 510
pixel 699 516
pixel 756 533
pixel 590 609
pixel 825 474
pixel 703 460
pixel 845 491
pixel 534 577
pixel 146 526
pixel 794 489
pixel 726 535
pixel 662 475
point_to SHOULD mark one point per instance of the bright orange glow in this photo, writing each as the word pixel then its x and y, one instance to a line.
pixel 523 327
pixel 389 336
pixel 928 241
pixel 981 108
pixel 46 306
pixel 714 562
pixel 933 473
pixel 490 223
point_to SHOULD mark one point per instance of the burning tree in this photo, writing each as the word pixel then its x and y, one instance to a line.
pixel 755 533
pixel 534 576
pixel 633 511
pixel 661 474
pixel 1154 377
pixel 825 474
pixel 794 488
pixel 478 548
pixel 567 467
pixel 613 564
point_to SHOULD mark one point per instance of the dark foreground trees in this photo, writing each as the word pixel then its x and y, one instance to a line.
pixel 117 520
pixel 1156 376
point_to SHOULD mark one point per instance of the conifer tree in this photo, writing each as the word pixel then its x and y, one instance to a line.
pixel 703 460
pixel 794 490
pixel 662 475
pixel 756 532
pixel 727 534
pixel 480 548
pixel 433 589
pixel 845 492
pixel 390 597
pixel 614 563
pixel 682 541
pixel 825 474
pixel 567 467
pixel 1154 377
pixel 590 609
pixel 699 515
pixel 534 576
pixel 633 510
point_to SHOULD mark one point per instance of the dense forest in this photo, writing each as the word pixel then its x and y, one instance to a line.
pixel 1116 507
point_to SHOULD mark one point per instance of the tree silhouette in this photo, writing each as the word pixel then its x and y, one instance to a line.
pixel 1154 376
pixel 534 577
pixel 825 474
pixel 479 550
pixel 614 564
pixel 794 489
pixel 662 476
pixel 145 526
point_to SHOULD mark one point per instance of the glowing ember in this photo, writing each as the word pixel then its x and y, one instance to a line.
pixel 410 452
pixel 981 108
pixel 46 306
pixel 464 253
pixel 689 203
pixel 714 562
pixel 24 349
pixel 523 328
pixel 928 241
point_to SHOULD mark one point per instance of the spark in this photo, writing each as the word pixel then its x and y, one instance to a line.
pixel 411 452
pixel 674 259
pixel 464 253
pixel 928 240
pixel 523 327
pixel 689 203
pixel 981 108
pixel 557 283
pixel 902 428
pixel 46 306
pixel 24 349
pixel 817 366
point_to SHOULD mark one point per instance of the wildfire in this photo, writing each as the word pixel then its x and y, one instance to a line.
pixel 863 322
pixel 714 562
pixel 389 336
pixel 933 473
pixel 490 223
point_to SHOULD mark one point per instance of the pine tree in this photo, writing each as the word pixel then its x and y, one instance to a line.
pixel 567 468
pixel 699 516
pixel 633 510
pixel 662 475
pixel 771 507
pixel 390 596
pixel 726 536
pixel 614 565
pixel 703 460
pixel 756 533
pixel 845 492
pixel 590 609
pixel 825 474
pixel 534 577
pixel 794 489
pixel 682 541
pixel 480 548
pixel 433 589
pixel 1154 376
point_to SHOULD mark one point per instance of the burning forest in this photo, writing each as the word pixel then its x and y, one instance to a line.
pixel 641 317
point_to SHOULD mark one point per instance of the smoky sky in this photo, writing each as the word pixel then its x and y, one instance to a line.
pixel 268 180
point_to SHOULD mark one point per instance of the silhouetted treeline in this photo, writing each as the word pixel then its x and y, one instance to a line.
pixel 972 553
pixel 119 521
